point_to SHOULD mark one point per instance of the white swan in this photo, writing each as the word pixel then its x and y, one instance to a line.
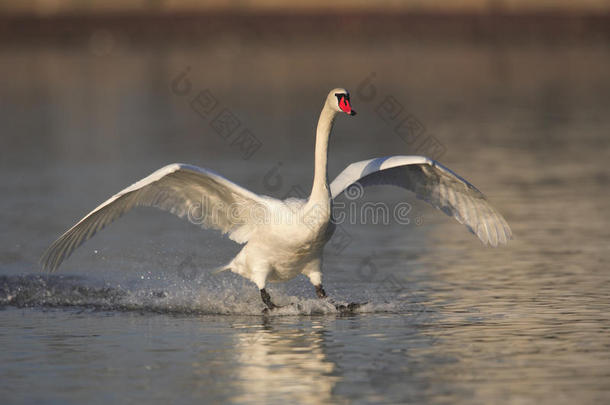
pixel 286 238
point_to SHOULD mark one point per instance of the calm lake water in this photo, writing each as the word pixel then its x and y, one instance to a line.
pixel 135 315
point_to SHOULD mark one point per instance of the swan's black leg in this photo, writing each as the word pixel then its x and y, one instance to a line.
pixel 340 307
pixel 267 299
pixel 320 291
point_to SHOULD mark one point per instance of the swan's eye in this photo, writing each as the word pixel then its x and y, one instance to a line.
pixel 341 96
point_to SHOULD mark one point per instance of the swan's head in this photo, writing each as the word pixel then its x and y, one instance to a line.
pixel 338 100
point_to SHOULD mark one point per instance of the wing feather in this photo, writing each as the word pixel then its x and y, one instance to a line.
pixel 207 198
pixel 435 184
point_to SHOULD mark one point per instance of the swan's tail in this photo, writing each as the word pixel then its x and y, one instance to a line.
pixel 222 268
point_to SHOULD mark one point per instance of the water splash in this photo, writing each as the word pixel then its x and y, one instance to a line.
pixel 230 298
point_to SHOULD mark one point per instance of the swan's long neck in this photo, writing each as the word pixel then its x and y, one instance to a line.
pixel 320 190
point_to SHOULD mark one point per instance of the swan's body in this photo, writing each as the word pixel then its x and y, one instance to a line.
pixel 286 238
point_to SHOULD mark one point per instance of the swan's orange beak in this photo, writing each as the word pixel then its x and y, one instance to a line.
pixel 345 106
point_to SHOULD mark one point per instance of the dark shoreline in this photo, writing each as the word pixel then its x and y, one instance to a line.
pixel 512 27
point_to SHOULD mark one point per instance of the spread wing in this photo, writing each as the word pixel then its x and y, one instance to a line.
pixel 433 183
pixel 206 198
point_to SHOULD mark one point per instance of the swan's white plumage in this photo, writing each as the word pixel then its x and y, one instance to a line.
pixel 433 183
pixel 286 238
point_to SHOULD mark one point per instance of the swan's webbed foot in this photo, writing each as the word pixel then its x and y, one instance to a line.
pixel 351 307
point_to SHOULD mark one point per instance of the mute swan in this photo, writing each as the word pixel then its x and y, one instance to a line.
pixel 286 238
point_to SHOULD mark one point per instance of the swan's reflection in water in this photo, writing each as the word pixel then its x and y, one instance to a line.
pixel 283 362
